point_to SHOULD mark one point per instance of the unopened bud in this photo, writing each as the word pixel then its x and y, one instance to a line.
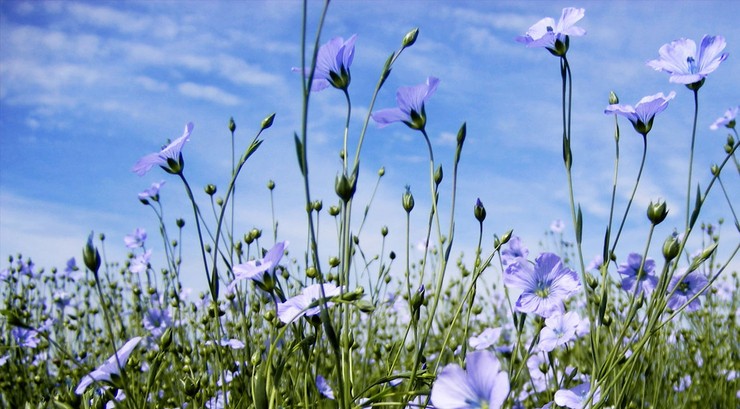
pixel 715 170
pixel 384 231
pixel 267 122
pixel 333 210
pixel 90 255
pixel 438 175
pixel 271 184
pixel 479 211
pixel 232 125
pixel 381 171
pixel 180 223
pixel 333 261
pixel 657 212
pixel 613 99
pixel 410 38
pixel 408 200
pixel 210 189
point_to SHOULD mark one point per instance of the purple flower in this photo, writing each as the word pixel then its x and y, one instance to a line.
pixel 545 286
pixel 256 270
pixel 156 321
pixel 410 108
pixel 169 158
pixel 515 251
pixel 62 299
pixel 332 64
pixel 482 384
pixel 728 120
pixel 135 239
pixel 559 330
pixel 681 60
pixel 642 114
pixel 323 386
pixel 110 367
pixel 300 305
pixel 152 192
pixel 72 272
pixel 231 343
pixel 689 285
pixel 644 279
pixel 25 337
pixel 554 37
pixel 141 263
pixel 485 339
pixel 575 398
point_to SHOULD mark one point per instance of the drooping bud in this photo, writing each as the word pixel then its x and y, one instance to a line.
pixel 479 211
pixel 657 212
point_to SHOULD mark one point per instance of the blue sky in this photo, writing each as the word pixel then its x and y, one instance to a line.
pixel 86 88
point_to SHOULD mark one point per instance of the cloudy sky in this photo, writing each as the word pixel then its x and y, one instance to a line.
pixel 86 88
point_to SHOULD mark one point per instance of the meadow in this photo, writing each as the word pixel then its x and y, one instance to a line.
pixel 331 322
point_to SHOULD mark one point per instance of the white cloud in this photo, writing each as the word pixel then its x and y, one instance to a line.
pixel 207 93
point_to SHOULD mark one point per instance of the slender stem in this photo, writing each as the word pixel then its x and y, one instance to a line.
pixel 632 197
pixel 691 157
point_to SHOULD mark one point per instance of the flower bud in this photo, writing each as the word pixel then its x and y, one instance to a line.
pixel 180 223
pixel 317 205
pixel 479 211
pixel 333 261
pixel 715 170
pixel 613 99
pixel 381 171
pixel 311 272
pixel 506 237
pixel 267 122
pixel 255 233
pixel 671 246
pixel 461 133
pixel 416 301
pixel 210 189
pixel 232 125
pixel 90 255
pixel 344 188
pixel 410 38
pixel 333 210
pixel 408 200
pixel 438 175
pixel 384 231
pixel 270 184
pixel 657 212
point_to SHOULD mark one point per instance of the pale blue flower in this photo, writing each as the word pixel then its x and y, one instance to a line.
pixel 410 108
pixel 140 263
pixel 169 158
pixel 727 120
pixel 152 192
pixel 25 337
pixel 559 330
pixel 642 114
pixel 483 384
pixel 135 239
pixel 514 251
pixel 485 339
pixel 256 270
pixel 157 320
pixel 554 37
pixel 105 372
pixel 575 398
pixel 686 64
pixel 302 304
pixel 545 286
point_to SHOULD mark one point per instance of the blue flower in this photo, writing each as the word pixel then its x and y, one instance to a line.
pixel 545 286
pixel 332 64
pixel 410 108
pixel 514 252
pixel 644 279
pixel 169 158
pixel 260 270
pixel 25 337
pixel 681 60
pixel 642 114
pixel 302 304
pixel 105 372
pixel 135 239
pixel 559 330
pixel 323 386
pixel 554 37
pixel 684 287
pixel 156 321
pixel 482 385
pixel 152 192
pixel 727 120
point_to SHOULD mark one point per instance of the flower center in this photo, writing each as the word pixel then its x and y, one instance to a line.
pixel 549 29
pixel 692 65
pixel 683 287
pixel 542 290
